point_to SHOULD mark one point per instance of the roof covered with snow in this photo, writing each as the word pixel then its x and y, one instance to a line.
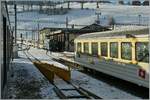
pixel 114 33
pixel 124 9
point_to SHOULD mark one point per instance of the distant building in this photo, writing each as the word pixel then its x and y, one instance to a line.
pixel 121 2
pixel 146 3
pixel 62 39
pixel 136 2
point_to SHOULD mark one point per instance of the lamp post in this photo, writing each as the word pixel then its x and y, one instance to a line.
pixel 38 36
pixel 139 19
pixel 38 31
pixel 15 8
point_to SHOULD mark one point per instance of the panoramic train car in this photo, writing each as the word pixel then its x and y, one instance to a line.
pixel 122 53
pixel 5 45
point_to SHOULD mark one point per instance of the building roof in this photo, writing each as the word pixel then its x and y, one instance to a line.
pixel 94 27
pixel 115 33
pixel 86 29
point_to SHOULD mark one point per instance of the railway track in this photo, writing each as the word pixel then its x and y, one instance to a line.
pixel 72 91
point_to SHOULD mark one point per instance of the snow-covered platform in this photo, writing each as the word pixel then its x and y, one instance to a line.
pixel 27 82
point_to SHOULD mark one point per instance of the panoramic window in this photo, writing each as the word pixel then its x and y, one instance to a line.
pixel 104 49
pixel 95 49
pixel 79 47
pixel 126 50
pixel 86 47
pixel 114 49
pixel 142 51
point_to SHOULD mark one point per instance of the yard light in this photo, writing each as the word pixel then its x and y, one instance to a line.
pixel 139 19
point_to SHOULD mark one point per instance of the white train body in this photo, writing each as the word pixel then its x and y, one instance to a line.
pixel 122 54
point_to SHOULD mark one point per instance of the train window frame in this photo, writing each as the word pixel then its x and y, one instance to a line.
pixel 104 50
pixel 84 50
pixel 130 51
pixel 136 52
pixel 92 43
pixel 117 50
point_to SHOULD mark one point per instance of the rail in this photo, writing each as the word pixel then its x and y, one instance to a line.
pixel 35 59
pixel 80 92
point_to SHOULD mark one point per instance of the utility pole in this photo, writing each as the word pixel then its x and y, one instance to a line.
pixel 97 5
pixel 15 49
pixel 32 38
pixel 66 22
pixel 15 8
pixel 38 35
pixel 98 16
pixel 139 20
pixel 26 38
pixel 67 34
pixel 68 5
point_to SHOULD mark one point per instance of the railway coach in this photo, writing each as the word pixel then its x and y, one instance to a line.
pixel 6 45
pixel 120 53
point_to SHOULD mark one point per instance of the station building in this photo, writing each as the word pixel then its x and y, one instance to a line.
pixel 62 39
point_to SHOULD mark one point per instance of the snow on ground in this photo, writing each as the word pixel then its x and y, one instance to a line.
pixel 129 27
pixel 49 20
pixel 98 87
pixel 123 14
pixel 85 20
pixel 126 14
pixel 66 53
pixel 124 9
pixel 41 55
pixel 26 81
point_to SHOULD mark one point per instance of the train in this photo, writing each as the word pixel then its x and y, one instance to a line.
pixel 123 54
pixel 53 45
pixel 6 46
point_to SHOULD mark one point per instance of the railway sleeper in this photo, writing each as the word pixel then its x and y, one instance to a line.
pixel 80 96
pixel 60 93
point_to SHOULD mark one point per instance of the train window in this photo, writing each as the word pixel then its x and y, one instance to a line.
pixel 142 52
pixel 86 47
pixel 114 49
pixel 79 47
pixel 94 48
pixel 126 50
pixel 104 49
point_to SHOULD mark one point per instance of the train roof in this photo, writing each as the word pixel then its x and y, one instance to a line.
pixel 115 33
